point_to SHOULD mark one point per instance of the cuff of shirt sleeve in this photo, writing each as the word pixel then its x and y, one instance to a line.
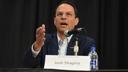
pixel 35 53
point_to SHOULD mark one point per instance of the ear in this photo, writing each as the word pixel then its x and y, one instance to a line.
pixel 76 21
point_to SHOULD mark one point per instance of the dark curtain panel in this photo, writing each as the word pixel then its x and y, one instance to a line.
pixel 105 21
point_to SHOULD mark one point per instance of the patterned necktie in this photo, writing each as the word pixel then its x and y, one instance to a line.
pixel 60 43
pixel 62 47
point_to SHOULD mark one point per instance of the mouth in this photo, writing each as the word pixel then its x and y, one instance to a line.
pixel 64 24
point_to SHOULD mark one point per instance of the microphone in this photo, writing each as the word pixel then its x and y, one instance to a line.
pixel 74 31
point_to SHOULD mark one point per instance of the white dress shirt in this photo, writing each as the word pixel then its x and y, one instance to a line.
pixel 63 45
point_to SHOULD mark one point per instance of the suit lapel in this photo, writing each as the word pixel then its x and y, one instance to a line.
pixel 55 42
pixel 53 46
pixel 70 49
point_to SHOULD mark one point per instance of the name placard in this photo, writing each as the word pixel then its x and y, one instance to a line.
pixel 75 63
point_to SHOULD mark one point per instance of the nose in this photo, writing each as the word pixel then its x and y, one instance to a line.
pixel 63 17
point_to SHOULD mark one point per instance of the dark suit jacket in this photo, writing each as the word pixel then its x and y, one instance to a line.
pixel 51 48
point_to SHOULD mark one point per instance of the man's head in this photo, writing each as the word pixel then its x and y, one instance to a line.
pixel 65 16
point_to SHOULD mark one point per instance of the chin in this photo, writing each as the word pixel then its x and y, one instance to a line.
pixel 62 30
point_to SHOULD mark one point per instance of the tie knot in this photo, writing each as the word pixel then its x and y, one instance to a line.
pixel 60 42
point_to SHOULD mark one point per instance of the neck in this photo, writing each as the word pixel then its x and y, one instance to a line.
pixel 61 35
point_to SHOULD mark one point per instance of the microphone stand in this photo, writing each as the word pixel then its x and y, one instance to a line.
pixel 76 47
pixel 76 33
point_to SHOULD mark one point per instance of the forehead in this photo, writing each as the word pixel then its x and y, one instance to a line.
pixel 65 7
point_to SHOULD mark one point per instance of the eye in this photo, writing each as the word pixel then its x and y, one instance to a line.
pixel 59 14
pixel 68 14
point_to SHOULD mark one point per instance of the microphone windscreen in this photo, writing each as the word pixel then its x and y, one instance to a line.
pixel 74 31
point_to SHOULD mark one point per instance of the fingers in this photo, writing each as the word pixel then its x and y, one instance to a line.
pixel 40 36
pixel 40 30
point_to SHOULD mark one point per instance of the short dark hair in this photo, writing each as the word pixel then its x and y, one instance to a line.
pixel 70 2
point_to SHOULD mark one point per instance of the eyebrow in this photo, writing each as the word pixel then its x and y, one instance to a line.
pixel 62 11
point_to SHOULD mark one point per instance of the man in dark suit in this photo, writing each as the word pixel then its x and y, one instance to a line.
pixel 58 44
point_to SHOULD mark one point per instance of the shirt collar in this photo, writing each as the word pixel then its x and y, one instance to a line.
pixel 68 38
